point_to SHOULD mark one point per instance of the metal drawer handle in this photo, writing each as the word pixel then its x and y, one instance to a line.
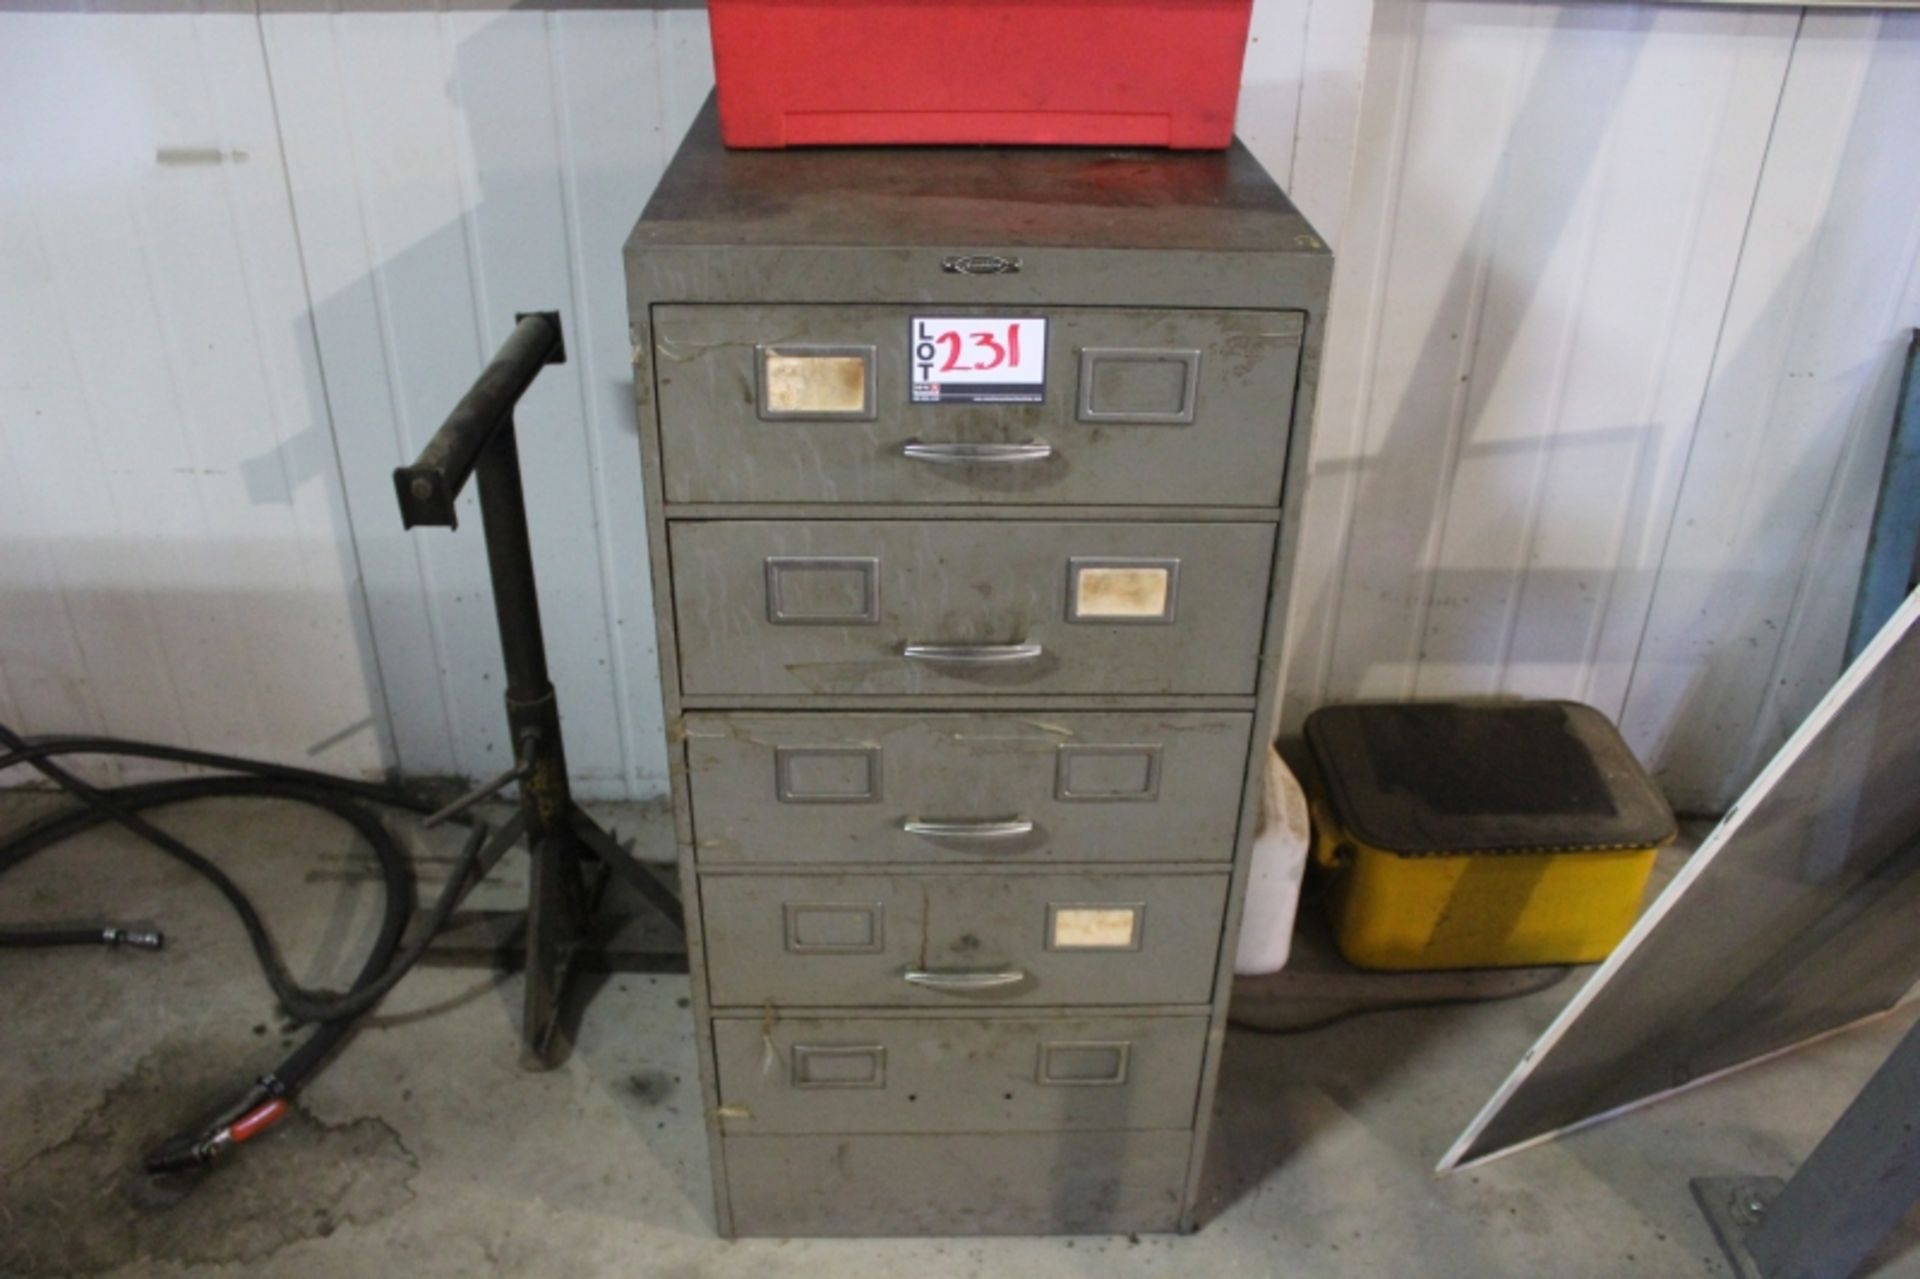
pixel 977 454
pixel 973 654
pixel 962 979
pixel 1009 829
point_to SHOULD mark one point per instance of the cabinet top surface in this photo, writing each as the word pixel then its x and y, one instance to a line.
pixel 969 197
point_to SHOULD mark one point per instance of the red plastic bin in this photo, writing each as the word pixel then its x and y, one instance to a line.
pixel 1162 73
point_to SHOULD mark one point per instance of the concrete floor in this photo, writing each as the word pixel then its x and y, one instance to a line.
pixel 424 1150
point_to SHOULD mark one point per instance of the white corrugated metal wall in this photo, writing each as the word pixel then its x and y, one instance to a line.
pixel 1615 339
pixel 1619 315
pixel 448 170
pixel 175 555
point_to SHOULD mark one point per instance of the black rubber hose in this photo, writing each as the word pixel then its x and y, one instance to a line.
pixel 119 805
pixel 366 990
pixel 47 747
pixel 47 938
pixel 396 875
pixel 383 965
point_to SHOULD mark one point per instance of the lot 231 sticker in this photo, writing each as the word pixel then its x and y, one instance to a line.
pixel 977 360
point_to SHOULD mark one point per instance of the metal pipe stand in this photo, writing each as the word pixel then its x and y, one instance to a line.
pixel 572 857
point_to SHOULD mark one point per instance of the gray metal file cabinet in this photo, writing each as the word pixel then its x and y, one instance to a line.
pixel 971 480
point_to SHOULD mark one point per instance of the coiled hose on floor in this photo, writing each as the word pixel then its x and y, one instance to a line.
pixel 332 1013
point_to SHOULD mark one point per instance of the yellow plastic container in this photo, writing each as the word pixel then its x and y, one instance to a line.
pixel 1459 835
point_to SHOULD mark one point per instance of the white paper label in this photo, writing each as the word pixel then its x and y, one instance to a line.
pixel 815 383
pixel 1120 591
pixel 976 360
pixel 1096 928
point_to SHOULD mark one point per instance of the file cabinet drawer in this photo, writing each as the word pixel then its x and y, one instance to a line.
pixel 946 940
pixel 1140 407
pixel 957 1074
pixel 963 788
pixel 1078 1183
pixel 868 608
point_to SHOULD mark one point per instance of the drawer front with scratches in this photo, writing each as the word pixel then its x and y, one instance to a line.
pixel 932 940
pixel 1075 1183
pixel 1140 407
pixel 965 789
pixel 1003 607
pixel 956 1074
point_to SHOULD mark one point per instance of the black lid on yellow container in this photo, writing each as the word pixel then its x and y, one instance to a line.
pixel 1430 778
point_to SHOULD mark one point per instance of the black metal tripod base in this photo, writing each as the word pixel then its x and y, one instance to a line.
pixel 591 907
pixel 571 874
pixel 561 894
pixel 573 859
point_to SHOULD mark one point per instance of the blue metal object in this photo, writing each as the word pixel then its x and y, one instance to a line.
pixel 1857 1185
pixel 1893 548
